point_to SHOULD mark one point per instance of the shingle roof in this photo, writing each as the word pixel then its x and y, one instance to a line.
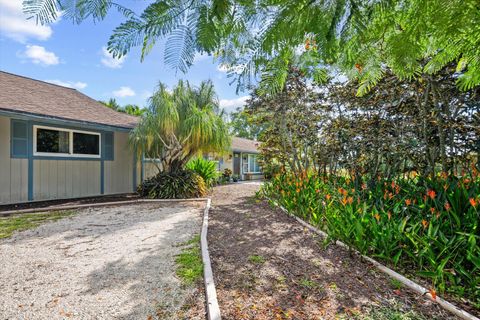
pixel 26 95
pixel 244 145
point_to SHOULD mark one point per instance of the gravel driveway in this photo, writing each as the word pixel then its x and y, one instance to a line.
pixel 103 263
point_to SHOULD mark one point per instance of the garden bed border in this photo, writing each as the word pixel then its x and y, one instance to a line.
pixel 213 309
pixel 393 274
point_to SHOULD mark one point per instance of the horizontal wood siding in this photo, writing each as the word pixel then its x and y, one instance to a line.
pixel 13 172
pixel 119 172
pixel 57 179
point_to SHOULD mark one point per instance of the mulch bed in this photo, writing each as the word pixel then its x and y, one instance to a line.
pixel 267 266
pixel 74 201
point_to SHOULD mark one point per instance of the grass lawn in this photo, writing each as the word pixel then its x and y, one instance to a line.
pixel 8 225
pixel 189 261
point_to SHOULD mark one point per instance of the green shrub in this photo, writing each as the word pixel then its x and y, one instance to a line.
pixel 423 226
pixel 174 185
pixel 204 168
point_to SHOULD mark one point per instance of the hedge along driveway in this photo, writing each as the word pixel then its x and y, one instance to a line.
pixel 105 262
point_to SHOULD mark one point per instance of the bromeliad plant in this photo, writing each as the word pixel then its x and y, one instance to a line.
pixel 429 227
pixel 205 168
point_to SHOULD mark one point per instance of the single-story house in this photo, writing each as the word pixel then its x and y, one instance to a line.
pixel 242 159
pixel 57 143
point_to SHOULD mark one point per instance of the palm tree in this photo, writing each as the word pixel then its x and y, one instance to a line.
pixel 181 124
pixel 112 104
pixel 133 110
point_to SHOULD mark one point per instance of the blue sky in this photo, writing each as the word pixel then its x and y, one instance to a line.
pixel 75 56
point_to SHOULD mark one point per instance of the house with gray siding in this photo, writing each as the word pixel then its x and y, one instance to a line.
pixel 57 143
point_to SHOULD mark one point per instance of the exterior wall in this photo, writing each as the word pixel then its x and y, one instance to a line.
pixel 149 170
pixel 60 179
pixel 33 177
pixel 119 172
pixel 13 172
pixel 227 162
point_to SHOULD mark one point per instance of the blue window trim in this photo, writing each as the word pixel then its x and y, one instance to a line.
pixel 104 144
pixel 12 138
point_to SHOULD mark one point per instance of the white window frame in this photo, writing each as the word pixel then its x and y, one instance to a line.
pixel 251 170
pixel 70 154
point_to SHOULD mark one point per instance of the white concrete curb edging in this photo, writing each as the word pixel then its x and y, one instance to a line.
pixel 213 310
pixel 405 281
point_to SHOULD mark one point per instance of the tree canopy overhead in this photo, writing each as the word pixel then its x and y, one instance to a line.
pixel 364 39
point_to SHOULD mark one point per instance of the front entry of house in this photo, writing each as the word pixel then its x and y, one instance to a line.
pixel 236 163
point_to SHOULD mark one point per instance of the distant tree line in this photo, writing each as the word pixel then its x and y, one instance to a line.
pixel 131 109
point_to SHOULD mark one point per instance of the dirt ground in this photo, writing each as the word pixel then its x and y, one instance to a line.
pixel 267 266
pixel 102 263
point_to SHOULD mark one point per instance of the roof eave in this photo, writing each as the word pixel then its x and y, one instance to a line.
pixel 59 120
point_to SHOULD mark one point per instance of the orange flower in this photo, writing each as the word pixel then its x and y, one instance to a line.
pixel 298 190
pixel 350 200
pixel 328 196
pixel 408 202
pixel 397 189
pixel 358 67
pixel 342 191
pixel 344 201
pixel 447 206
pixel 431 193
pixel 307 44
pixel 317 191
pixel 425 224
pixel 364 186
pixel 377 216
pixel 433 293
pixel 390 195
pixel 473 202
pixel 432 210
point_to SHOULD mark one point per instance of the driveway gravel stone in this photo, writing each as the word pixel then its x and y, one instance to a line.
pixel 103 263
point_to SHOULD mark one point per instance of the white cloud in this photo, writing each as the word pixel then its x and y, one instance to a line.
pixel 225 68
pixel 124 92
pixel 109 61
pixel 14 23
pixel 68 84
pixel 230 105
pixel 39 55
pixel 222 68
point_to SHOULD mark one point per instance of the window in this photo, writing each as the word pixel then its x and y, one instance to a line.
pixel 84 143
pixel 62 142
pixel 253 165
